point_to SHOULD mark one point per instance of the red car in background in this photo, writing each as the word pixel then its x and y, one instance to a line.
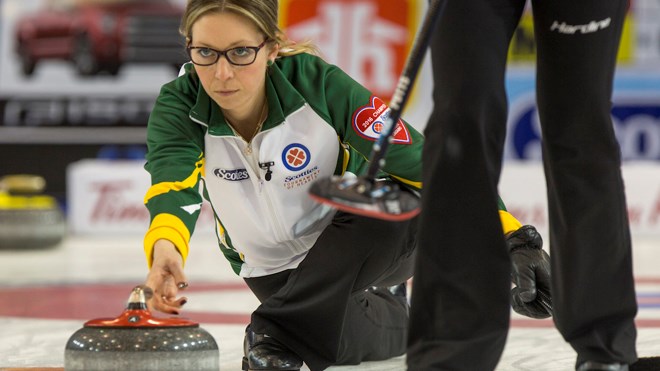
pixel 101 35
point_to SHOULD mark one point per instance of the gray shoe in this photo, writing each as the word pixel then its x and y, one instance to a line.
pixel 597 366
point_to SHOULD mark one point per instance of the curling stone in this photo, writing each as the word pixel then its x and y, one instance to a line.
pixel 137 341
pixel 28 218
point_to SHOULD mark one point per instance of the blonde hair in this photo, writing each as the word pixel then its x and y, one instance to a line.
pixel 263 13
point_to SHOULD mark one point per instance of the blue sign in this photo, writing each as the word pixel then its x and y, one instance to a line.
pixel 635 114
pixel 636 123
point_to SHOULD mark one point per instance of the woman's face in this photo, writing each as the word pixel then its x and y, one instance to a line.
pixel 236 89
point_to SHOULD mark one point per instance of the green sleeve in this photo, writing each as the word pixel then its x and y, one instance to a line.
pixel 175 153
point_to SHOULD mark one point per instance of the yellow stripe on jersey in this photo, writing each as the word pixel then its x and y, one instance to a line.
pixel 167 227
pixel 417 185
pixel 164 187
pixel 347 156
pixel 509 222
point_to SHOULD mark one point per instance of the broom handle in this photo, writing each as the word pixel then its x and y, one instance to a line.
pixel 403 88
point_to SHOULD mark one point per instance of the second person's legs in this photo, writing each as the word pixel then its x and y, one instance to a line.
pixel 460 297
pixel 593 289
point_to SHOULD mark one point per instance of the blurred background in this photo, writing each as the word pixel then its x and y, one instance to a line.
pixel 78 79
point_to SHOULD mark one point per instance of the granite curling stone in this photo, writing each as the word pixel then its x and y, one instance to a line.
pixel 29 219
pixel 138 341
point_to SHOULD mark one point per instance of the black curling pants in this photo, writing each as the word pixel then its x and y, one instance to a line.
pixel 321 310
pixel 460 306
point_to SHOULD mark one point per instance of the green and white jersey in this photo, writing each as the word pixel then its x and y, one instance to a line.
pixel 320 122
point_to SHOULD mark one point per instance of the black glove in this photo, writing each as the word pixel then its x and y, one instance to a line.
pixel 530 273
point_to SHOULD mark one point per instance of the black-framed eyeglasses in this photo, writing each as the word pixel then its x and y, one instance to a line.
pixel 238 56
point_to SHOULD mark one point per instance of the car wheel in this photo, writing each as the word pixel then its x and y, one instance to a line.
pixel 83 57
pixel 112 69
pixel 28 64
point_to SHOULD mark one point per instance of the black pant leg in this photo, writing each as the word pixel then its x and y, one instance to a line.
pixel 460 297
pixel 386 317
pixel 266 286
pixel 593 289
pixel 323 295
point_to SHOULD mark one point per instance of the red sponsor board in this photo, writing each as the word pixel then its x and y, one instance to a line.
pixel 368 39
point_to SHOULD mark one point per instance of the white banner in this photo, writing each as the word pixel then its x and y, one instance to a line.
pixel 107 197
pixel 522 187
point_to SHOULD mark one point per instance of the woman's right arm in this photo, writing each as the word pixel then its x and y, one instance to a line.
pixel 175 161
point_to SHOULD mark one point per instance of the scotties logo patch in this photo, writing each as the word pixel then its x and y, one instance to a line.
pixel 369 121
pixel 232 174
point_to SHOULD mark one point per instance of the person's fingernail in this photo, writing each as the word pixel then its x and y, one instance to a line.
pixel 183 302
pixel 148 292
pixel 182 285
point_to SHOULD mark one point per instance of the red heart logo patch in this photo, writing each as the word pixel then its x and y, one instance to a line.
pixel 369 121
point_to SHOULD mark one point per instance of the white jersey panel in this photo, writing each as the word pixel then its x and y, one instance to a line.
pixel 273 182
